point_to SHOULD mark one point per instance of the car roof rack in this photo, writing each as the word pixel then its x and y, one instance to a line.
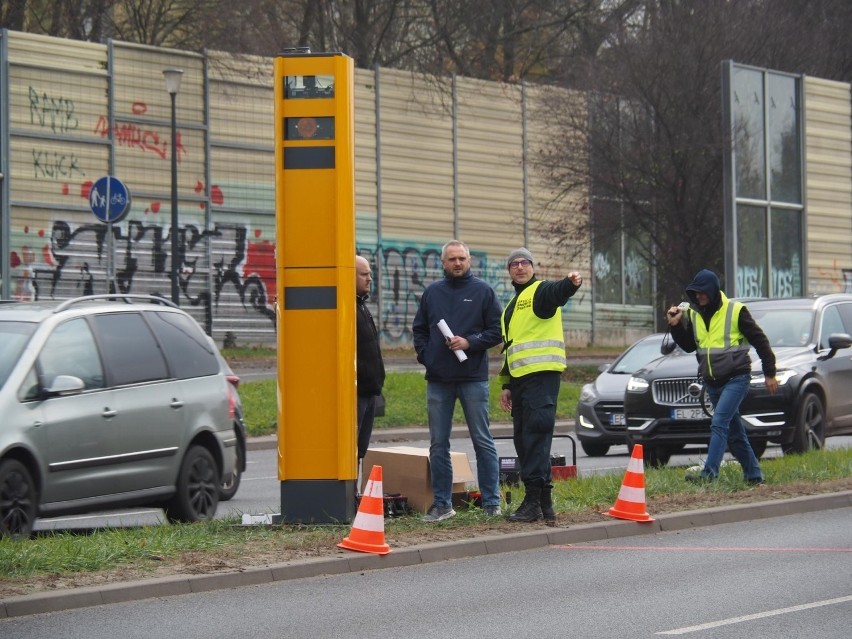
pixel 127 298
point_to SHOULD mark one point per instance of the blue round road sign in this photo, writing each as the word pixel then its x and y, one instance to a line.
pixel 109 199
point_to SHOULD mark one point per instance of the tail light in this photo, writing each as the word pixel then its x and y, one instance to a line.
pixel 232 402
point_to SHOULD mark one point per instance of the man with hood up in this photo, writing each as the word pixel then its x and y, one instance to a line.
pixel 719 331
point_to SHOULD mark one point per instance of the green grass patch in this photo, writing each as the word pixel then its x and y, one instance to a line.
pixel 247 352
pixel 405 395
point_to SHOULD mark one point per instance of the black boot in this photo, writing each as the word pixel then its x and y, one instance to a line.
pixel 530 508
pixel 547 504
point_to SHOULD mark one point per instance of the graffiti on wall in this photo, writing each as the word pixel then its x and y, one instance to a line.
pixel 72 261
pixel 833 280
pixel 54 112
pixel 620 281
pixel 404 273
pixel 752 281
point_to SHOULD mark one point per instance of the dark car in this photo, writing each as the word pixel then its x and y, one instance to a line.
pixel 599 421
pixel 813 350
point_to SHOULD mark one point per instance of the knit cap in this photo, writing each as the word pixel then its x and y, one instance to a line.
pixel 522 253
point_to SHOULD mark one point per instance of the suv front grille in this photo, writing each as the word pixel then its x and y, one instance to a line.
pixel 673 392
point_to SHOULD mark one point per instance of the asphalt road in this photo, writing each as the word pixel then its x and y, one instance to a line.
pixel 781 577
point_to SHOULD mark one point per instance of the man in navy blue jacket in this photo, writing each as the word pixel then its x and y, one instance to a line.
pixel 470 309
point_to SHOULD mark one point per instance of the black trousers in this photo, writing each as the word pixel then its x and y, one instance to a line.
pixel 534 418
pixel 366 415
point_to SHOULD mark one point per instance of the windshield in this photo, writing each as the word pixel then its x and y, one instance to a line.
pixel 13 338
pixel 785 326
pixel 637 356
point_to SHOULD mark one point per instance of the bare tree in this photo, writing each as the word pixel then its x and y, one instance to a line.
pixel 75 19
pixel 182 24
pixel 519 39
pixel 654 141
pixel 13 14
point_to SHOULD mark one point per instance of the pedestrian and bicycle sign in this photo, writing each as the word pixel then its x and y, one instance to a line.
pixel 109 199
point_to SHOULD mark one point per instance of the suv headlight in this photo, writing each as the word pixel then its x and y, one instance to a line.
pixel 782 377
pixel 637 385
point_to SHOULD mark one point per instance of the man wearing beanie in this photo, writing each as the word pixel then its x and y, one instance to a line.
pixel 534 347
pixel 457 368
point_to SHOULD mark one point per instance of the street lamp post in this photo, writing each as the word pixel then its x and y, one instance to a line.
pixel 173 77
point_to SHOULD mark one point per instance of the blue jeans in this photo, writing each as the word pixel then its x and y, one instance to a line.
pixel 727 430
pixel 440 403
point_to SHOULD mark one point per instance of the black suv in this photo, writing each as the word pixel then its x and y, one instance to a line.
pixel 813 349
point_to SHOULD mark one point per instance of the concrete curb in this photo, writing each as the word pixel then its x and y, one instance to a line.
pixel 414 555
pixel 413 433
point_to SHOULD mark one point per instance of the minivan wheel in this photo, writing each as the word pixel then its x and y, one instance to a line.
pixel 809 429
pixel 17 500
pixel 197 493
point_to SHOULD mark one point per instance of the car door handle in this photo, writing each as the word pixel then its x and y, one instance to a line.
pixel 108 413
pixel 176 403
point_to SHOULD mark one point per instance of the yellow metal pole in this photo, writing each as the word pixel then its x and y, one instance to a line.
pixel 315 262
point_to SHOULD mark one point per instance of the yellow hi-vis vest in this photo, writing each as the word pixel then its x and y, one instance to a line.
pixel 722 348
pixel 535 344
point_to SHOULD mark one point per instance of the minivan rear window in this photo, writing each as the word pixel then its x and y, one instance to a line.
pixel 187 348
pixel 129 349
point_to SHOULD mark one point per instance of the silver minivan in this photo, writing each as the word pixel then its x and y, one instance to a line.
pixel 110 401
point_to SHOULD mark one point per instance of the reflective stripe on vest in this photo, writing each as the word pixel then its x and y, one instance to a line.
pixel 723 336
pixel 536 344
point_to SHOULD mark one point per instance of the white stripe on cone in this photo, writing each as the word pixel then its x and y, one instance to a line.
pixel 366 521
pixel 635 465
pixel 373 489
pixel 627 493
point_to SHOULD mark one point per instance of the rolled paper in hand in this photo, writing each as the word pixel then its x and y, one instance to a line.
pixel 446 332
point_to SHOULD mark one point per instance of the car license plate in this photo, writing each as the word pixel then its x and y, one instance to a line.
pixel 616 419
pixel 688 414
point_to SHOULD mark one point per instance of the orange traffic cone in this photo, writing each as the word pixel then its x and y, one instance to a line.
pixel 631 498
pixel 368 529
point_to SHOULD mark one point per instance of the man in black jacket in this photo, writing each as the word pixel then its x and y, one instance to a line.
pixel 457 368
pixel 534 346
pixel 371 368
pixel 720 331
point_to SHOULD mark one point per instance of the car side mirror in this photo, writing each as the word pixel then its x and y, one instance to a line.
pixel 836 342
pixel 65 385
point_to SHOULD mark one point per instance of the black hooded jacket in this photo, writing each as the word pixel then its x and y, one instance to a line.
pixel 707 282
pixel 371 368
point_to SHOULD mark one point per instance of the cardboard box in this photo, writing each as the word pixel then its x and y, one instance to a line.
pixel 405 470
